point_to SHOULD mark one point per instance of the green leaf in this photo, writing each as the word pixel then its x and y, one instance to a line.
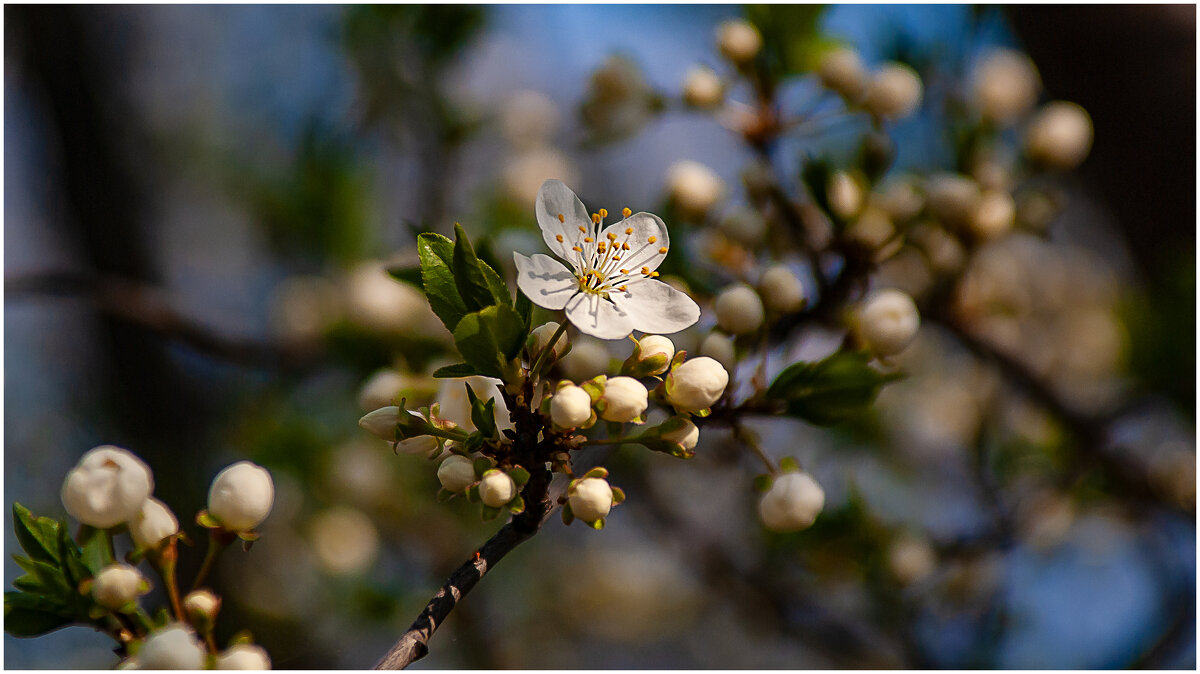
pixel 75 569
pixel 816 175
pixel 38 536
pixel 483 415
pixel 490 338
pixel 468 273
pixel 840 387
pixel 28 615
pixel 437 256
pixel 524 309
pixel 455 371
pixel 567 515
pixel 409 275
pixel 481 466
pixel 490 513
pixel 762 483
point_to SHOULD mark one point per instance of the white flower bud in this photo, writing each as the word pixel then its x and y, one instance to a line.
pixel 694 186
pixel 107 487
pixel 873 228
pixel 952 197
pixel 744 225
pixel 894 92
pixel 624 399
pixel 172 647
pixel 496 488
pixel 591 498
pixel 702 88
pixel 657 345
pixel 528 119
pixel 244 656
pixel 382 422
pixel 696 384
pixel 542 334
pixel 344 540
pixel 571 407
pixel 1005 85
pixel 792 503
pixel 587 358
pixel 118 584
pixel 687 435
pixel 719 347
pixel 739 309
pixel 781 291
pixel 844 194
pixel 841 70
pixel 241 496
pixel 738 40
pixel 994 214
pixel 888 321
pixel 152 524
pixel 201 607
pixel 456 473
pixel 1060 135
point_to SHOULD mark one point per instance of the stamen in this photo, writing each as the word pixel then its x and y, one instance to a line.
pixel 623 288
pixel 582 228
pixel 625 246
pixel 603 212
pixel 596 218
pixel 626 212
pixel 587 239
pixel 652 239
pixel 645 270
pixel 653 274
pixel 662 251
pixel 612 236
pixel 561 218
pixel 577 249
pixel 624 271
pixel 558 237
pixel 628 230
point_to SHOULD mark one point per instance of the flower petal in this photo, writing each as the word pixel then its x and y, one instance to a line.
pixel 554 199
pixel 545 281
pixel 656 307
pixel 598 317
pixel 642 251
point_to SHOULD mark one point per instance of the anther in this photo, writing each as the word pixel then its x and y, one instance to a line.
pixel 623 288
pixel 625 246
pixel 582 228
pixel 624 271
pixel 587 239
pixel 653 274
pixel 577 249
pixel 604 212
pixel 645 270
pixel 612 236
pixel 558 237
pixel 652 239
pixel 626 212
pixel 561 218
pixel 662 251
pixel 628 230
pixel 596 218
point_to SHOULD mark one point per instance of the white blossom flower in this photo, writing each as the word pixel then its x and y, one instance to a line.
pixel 610 289
pixel 241 496
pixel 842 70
pixel 244 656
pixel 702 88
pixel 1060 135
pixel 456 473
pixel 738 40
pixel 496 488
pixel 591 498
pixel 792 503
pixel 118 584
pixel 894 91
pixel 107 487
pixel 172 647
pixel 152 524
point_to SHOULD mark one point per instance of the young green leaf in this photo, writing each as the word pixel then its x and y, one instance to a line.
pixel 38 536
pixel 437 256
pixel 829 391
pixel 468 273
pixel 455 371
pixel 490 338
pixel 27 615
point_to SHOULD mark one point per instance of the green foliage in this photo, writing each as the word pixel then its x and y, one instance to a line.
pixel 490 339
pixel 437 276
pixel 483 415
pixel 791 43
pixel 455 371
pixel 840 387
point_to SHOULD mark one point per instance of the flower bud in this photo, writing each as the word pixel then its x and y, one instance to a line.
pixel 571 407
pixel 1005 85
pixel 994 214
pixel 738 40
pixel 694 186
pixel 739 310
pixel 719 347
pixel 744 225
pixel 844 194
pixel 702 88
pixel 107 487
pixel 792 503
pixel 888 321
pixel 244 656
pixel 781 291
pixel 382 422
pixel 588 357
pixel 841 70
pixel 118 584
pixel 952 197
pixel 894 92
pixel 687 435
pixel 496 488
pixel 654 354
pixel 344 540
pixel 591 498
pixel 1060 135
pixel 872 229
pixel 241 496
pixel 456 473
pixel 172 647
pixel 541 337
pixel 696 384
pixel 152 524
pixel 901 200
pixel 624 400
pixel 202 607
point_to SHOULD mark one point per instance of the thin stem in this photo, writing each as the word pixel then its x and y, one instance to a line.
pixel 217 542
pixel 549 348
pixel 745 435
pixel 164 564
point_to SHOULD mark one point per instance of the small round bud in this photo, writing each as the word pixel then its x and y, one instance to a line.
pixel 382 422
pixel 687 434
pixel 496 488
pixel 781 291
pixel 894 92
pixel 202 607
pixel 107 487
pixel 844 194
pixel 901 200
pixel 744 225
pixel 841 70
pixel 591 498
pixel 587 358
pixel 542 334
pixel 1005 85
pixel 738 40
pixel 702 88
pixel 696 384
pixel 739 310
pixel 952 197
pixel 792 503
pixel 994 214
pixel 172 647
pixel 244 656
pixel 694 186
pixel 719 347
pixel 624 399
pixel 1060 135
pixel 153 523
pixel 118 584
pixel 888 321
pixel 657 345
pixel 571 407
pixel 872 229
pixel 456 473
pixel 241 496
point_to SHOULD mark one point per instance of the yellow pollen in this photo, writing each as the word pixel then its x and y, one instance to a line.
pixel 628 230
pixel 652 239
pixel 582 228
pixel 662 251
pixel 612 236
pixel 626 212
pixel 587 239
pixel 561 218
pixel 604 212
pixel 622 288
pixel 596 218
pixel 625 246
pixel 653 274
pixel 624 271
pixel 645 270
pixel 617 258
pixel 577 249
pixel 558 237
